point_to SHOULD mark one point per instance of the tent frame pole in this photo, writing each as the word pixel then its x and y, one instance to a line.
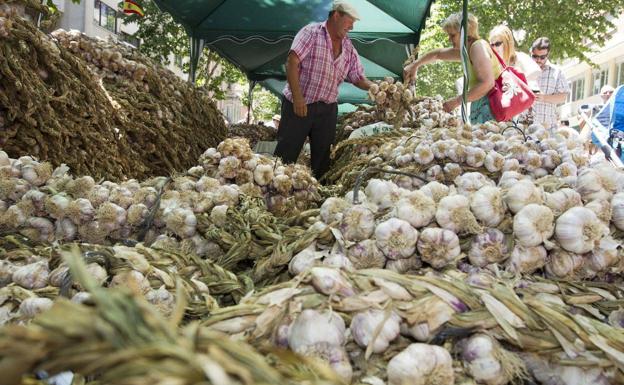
pixel 252 85
pixel 464 59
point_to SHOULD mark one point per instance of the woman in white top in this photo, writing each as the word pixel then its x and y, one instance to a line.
pixel 502 41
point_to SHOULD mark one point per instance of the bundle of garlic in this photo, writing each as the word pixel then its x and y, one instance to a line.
pixel 254 133
pixel 31 276
pixel 76 108
pixel 377 324
pixel 287 189
pixel 120 338
pixel 396 103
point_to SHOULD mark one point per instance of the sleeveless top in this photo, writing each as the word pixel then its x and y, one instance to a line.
pixel 496 66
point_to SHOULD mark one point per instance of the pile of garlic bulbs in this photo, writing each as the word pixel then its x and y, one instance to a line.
pixel 287 189
pixel 380 326
pixel 33 276
pixel 182 213
pixel 518 222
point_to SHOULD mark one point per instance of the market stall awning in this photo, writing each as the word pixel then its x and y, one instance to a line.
pixel 256 35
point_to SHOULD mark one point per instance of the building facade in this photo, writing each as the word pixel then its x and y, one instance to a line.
pixel 586 80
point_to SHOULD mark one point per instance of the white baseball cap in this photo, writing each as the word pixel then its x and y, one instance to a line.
pixel 346 7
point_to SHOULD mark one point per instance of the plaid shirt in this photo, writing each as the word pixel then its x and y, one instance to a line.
pixel 551 81
pixel 319 73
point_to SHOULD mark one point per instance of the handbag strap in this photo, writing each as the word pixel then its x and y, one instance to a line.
pixel 502 63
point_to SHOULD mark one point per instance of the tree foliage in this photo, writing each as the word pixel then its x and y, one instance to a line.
pixel 163 38
pixel 265 103
pixel 574 27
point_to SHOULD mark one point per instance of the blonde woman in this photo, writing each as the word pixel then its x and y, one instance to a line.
pixel 502 41
pixel 483 66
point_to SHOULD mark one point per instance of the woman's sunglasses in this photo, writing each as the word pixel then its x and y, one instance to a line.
pixel 497 44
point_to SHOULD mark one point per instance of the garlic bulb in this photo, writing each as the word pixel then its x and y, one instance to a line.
pixel 416 208
pixel 475 157
pixel 366 255
pixel 522 193
pixel 383 193
pixel 470 182
pixel 526 259
pixel 332 208
pixel 494 161
pixel 561 200
pixel 435 190
pixel 602 209
pixel 304 260
pixel 358 223
pixel 396 238
pixel 32 276
pixel 181 221
pixel 330 281
pixel 402 266
pixel 80 211
pixel 509 178
pixel 602 257
pixel 511 164
pixel 598 183
pixel 487 206
pixel 434 366
pixel 487 248
pixel 432 314
pixel 375 327
pixel 312 327
pixel 452 171
pixel 617 209
pixel 487 362
pixel 579 230
pixel 162 299
pixel 438 247
pixel 423 154
pixel 32 306
pixel 533 225
pixel 133 280
pixel 454 214
pixel 563 264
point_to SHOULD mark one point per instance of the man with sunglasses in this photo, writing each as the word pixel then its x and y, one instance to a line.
pixel 553 86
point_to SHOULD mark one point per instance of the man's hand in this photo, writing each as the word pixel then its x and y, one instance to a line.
pixel 451 104
pixel 409 73
pixel 539 97
pixel 300 107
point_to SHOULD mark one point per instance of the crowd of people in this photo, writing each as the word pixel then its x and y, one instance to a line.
pixel 322 57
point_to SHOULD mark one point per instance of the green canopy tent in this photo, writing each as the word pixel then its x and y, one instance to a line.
pixel 256 35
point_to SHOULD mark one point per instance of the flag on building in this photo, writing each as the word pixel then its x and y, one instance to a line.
pixel 130 7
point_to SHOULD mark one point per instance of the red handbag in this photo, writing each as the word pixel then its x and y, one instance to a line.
pixel 511 94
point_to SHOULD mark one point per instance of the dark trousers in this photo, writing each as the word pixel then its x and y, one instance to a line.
pixel 319 125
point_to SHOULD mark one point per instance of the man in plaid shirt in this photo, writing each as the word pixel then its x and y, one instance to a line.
pixel 320 58
pixel 553 85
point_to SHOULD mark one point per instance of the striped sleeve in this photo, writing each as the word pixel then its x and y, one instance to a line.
pixel 302 44
pixel 356 70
